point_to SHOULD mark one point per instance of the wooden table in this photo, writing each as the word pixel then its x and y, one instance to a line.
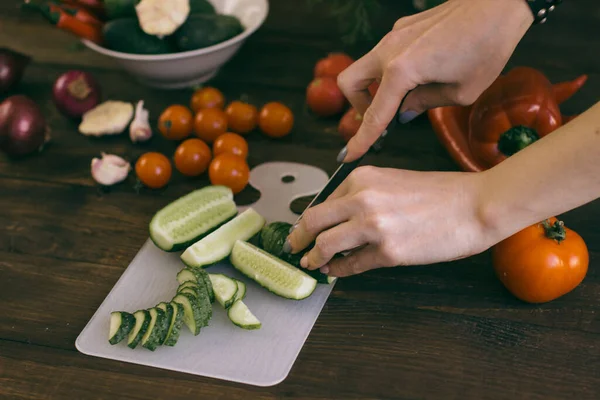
pixel 442 331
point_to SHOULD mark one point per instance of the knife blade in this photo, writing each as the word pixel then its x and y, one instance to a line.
pixel 343 171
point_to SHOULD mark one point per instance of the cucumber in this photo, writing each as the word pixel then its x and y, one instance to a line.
pixel 142 320
pixel 126 36
pixel 192 312
pixel 272 273
pixel 225 289
pixel 168 309
pixel 191 290
pixel 175 326
pixel 241 292
pixel 272 239
pixel 202 276
pixel 217 246
pixel 186 275
pixel 187 284
pixel 126 8
pixel 205 303
pixel 204 30
pixel 121 324
pixel 201 7
pixel 158 325
pixel 191 217
pixel 198 277
pixel 241 316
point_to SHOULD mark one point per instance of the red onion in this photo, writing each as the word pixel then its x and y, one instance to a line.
pixel 75 93
pixel 12 67
pixel 23 127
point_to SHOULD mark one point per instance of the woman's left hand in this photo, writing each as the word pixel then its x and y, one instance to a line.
pixel 393 217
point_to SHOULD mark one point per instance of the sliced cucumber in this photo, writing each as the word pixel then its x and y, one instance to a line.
pixel 187 284
pixel 120 325
pixel 241 292
pixel 190 290
pixel 189 218
pixel 192 312
pixel 168 309
pixel 158 324
pixel 217 246
pixel 202 276
pixel 275 275
pixel 186 275
pixel 241 316
pixel 225 289
pixel 205 304
pixel 142 320
pixel 175 326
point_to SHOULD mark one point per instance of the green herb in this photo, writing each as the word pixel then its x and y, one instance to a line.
pixel 354 17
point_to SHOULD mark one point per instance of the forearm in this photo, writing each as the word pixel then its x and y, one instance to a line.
pixel 556 174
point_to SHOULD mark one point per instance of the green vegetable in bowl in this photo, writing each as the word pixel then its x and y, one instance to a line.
pixel 126 8
pixel 204 30
pixel 126 36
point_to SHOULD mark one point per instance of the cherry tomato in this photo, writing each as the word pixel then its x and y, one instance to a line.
pixel 324 97
pixel 231 143
pixel 153 170
pixel 275 120
pixel 192 157
pixel 210 123
pixel 241 117
pixel 207 97
pixel 349 124
pixel 176 122
pixel 229 170
pixel 332 65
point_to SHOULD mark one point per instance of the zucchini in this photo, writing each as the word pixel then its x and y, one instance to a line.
pixel 121 324
pixel 241 292
pixel 272 240
pixel 225 289
pixel 217 246
pixel 241 316
pixel 272 273
pixel 156 328
pixel 204 30
pixel 142 320
pixel 168 309
pixel 191 217
pixel 192 312
pixel 175 326
pixel 126 36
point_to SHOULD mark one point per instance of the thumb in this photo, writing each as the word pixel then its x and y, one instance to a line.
pixel 424 97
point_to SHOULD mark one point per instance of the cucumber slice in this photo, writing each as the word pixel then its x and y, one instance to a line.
pixel 186 275
pixel 199 277
pixel 175 326
pixel 205 304
pixel 168 309
pixel 202 276
pixel 189 218
pixel 187 284
pixel 142 320
pixel 275 275
pixel 241 316
pixel 225 289
pixel 192 312
pixel 120 325
pixel 217 246
pixel 158 324
pixel 190 290
pixel 241 292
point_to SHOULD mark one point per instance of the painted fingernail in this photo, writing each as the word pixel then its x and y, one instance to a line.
pixel 325 269
pixel 407 116
pixel 342 154
pixel 304 262
pixel 287 246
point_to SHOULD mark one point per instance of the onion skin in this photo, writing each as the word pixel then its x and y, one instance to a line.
pixel 23 128
pixel 12 67
pixel 75 92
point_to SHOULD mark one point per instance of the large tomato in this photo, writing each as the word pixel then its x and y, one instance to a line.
pixel 324 97
pixel 542 262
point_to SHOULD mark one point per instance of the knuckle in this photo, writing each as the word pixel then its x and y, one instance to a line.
pixel 309 220
pixel 377 223
pixel 372 118
pixel 464 97
pixel 389 253
pixel 323 245
pixel 343 80
pixel 397 66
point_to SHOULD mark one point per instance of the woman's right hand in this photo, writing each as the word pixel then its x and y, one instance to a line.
pixel 447 55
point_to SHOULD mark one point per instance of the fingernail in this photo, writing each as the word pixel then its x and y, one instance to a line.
pixel 287 246
pixel 325 269
pixel 304 262
pixel 407 116
pixel 342 154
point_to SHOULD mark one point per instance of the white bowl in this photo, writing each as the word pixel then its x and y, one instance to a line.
pixel 189 68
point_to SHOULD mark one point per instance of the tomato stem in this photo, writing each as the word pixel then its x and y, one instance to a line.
pixel 555 232
pixel 516 139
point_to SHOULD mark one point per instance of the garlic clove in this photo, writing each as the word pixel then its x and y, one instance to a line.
pixel 108 118
pixel 140 130
pixel 110 169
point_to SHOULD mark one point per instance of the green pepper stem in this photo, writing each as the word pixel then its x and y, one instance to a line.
pixel 516 139
pixel 555 232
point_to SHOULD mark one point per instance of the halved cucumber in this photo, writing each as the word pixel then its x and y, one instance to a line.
pixel 158 324
pixel 217 246
pixel 241 316
pixel 241 292
pixel 142 320
pixel 192 312
pixel 175 326
pixel 275 275
pixel 168 309
pixel 189 218
pixel 121 324
pixel 225 289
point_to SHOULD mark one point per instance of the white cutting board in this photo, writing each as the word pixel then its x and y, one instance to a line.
pixel 222 350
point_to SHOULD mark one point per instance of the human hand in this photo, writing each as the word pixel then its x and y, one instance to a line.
pixel 394 217
pixel 447 55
